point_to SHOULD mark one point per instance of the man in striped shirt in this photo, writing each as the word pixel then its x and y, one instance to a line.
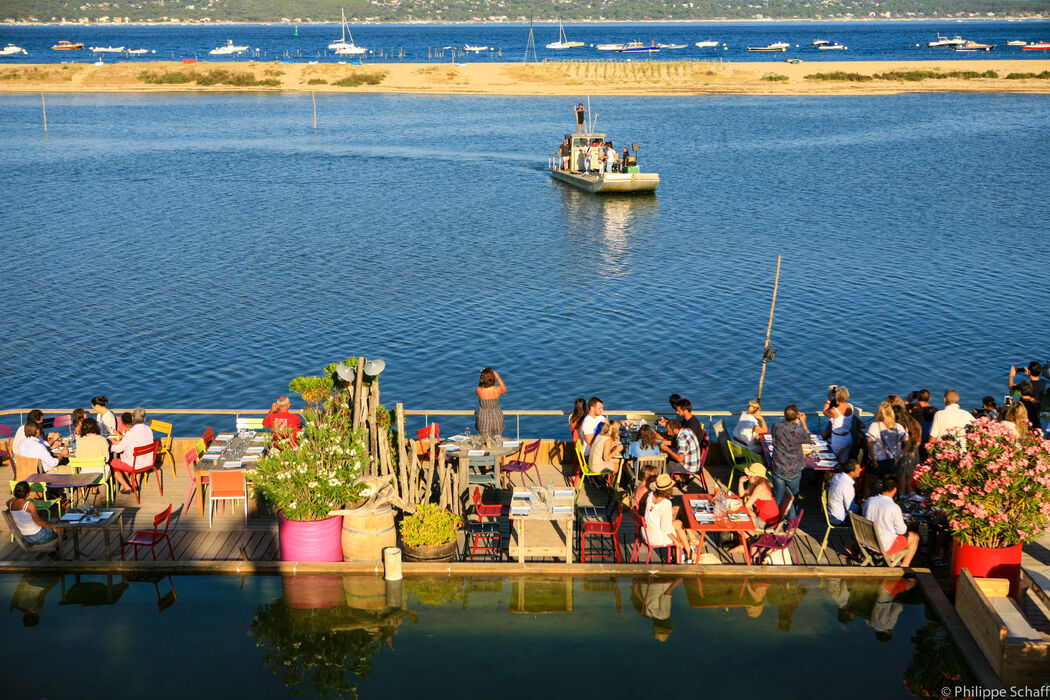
pixel 686 455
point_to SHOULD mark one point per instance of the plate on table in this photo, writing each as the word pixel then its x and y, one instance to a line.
pixel 827 463
pixel 254 450
pixel 232 464
pixel 212 456
pixel 739 517
pixel 825 455
pixel 250 459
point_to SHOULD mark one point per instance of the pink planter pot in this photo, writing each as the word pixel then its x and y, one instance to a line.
pixel 313 592
pixel 987 562
pixel 316 540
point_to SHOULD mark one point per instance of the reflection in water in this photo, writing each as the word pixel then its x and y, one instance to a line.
pixel 879 603
pixel 84 590
pixel 30 594
pixel 612 218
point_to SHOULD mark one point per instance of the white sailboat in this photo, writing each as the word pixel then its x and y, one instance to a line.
pixel 344 47
pixel 563 41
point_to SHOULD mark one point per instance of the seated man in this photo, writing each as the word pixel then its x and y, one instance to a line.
pixel 139 435
pixel 281 421
pixel 842 495
pixel 34 416
pixel 686 456
pixel 889 522
pixel 591 424
pixel 33 446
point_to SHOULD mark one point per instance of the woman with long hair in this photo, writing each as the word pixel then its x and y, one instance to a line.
pixel 579 410
pixel 606 449
pixel 909 458
pixel 488 417
pixel 1015 418
pixel 886 439
pixel 750 428
pixel 840 414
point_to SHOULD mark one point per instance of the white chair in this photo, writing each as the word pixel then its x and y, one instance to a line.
pixel 255 424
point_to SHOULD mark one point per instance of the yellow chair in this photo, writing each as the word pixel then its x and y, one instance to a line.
pixel 255 424
pixel 585 470
pixel 87 465
pixel 201 447
pixel 164 451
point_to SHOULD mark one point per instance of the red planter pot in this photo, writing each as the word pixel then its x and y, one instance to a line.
pixel 315 540
pixel 987 562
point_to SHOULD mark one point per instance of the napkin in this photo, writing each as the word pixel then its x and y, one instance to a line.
pixel 232 464
pixel 475 453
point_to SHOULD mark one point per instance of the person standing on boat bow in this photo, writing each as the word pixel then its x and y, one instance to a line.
pixel 581 114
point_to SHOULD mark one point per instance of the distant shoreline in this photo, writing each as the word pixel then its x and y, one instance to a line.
pixel 552 79
pixel 767 20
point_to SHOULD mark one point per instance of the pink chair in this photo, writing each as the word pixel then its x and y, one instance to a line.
pixel 191 460
pixel 6 431
pixel 63 422
pixel 143 461
pixel 527 462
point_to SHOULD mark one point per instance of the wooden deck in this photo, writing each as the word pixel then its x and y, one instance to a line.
pixel 231 540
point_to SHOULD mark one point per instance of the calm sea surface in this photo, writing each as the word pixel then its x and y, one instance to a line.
pixel 865 41
pixel 200 250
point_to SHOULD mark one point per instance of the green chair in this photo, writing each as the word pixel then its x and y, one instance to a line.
pixel 42 504
pixel 86 465
pixel 585 471
pixel 827 521
pixel 737 456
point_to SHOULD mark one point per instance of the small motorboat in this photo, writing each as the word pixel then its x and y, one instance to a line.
pixel 137 52
pixel 1037 46
pixel 106 49
pixel 230 48
pixel 610 47
pixel 11 50
pixel 671 47
pixel 706 44
pixel 475 49
pixel 67 46
pixel 973 46
pixel 819 42
pixel 943 42
pixel 832 47
pixel 639 47
pixel 778 46
pixel 1016 42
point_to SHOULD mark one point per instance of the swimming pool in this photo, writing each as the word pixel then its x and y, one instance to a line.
pixel 331 636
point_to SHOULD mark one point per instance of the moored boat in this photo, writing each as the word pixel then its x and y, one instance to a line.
pixel 778 46
pixel 832 47
pixel 586 171
pixel 137 52
pixel 475 49
pixel 11 50
pixel 106 49
pixel 563 41
pixel 639 47
pixel 610 47
pixel 1037 46
pixel 345 47
pixel 973 46
pixel 230 48
pixel 819 42
pixel 1016 42
pixel 943 42
pixel 707 44
pixel 67 46
pixel 671 46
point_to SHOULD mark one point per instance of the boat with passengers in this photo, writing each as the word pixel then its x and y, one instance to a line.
pixel 588 172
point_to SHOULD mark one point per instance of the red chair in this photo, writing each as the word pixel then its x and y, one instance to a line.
pixel 151 538
pixel 527 462
pixel 208 436
pixel 191 459
pixel 602 528
pixel 430 435
pixel 143 461
pixel 481 531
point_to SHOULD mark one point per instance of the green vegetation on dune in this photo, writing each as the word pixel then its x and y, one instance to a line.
pixel 216 76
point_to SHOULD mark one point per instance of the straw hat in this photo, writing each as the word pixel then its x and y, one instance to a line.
pixel 756 469
pixel 663 482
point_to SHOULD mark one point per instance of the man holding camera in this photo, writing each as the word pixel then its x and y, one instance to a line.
pixel 1031 373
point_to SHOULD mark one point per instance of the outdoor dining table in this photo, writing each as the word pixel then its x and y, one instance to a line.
pixel 65 481
pixel 111 517
pixel 229 452
pixel 463 451
pixel 723 524
pixel 817 454
pixel 553 540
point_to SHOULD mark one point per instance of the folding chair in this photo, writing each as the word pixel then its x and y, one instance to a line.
pixel 151 538
pixel 870 544
pixel 227 486
pixel 827 522
pixel 164 450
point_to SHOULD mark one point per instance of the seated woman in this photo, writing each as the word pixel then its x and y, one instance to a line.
pixel 124 422
pixel 606 450
pixel 91 444
pixel 645 485
pixel 751 427
pixel 660 530
pixel 758 498
pixel 78 416
pixel 646 477
pixel 34 529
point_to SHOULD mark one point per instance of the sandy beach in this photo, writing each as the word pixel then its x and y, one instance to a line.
pixel 554 78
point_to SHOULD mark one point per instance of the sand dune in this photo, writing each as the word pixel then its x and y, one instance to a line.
pixel 555 78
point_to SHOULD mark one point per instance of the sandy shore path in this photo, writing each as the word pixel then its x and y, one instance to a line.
pixel 555 78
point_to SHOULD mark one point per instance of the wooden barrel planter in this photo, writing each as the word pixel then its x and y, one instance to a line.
pixel 436 552
pixel 366 531
pixel 365 592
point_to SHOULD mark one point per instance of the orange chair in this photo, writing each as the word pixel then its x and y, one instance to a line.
pixel 143 461
pixel 151 538
pixel 227 486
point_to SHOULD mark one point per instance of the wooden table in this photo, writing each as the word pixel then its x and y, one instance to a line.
pixel 548 538
pixel 232 450
pixel 742 527
pixel 461 451
pixel 812 459
pixel 116 517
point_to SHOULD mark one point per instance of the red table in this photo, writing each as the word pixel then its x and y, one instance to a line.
pixel 741 527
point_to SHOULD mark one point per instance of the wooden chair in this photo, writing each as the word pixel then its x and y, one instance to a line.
pixel 870 544
pixel 143 461
pixel 25 467
pixel 827 521
pixel 164 450
pixel 54 545
pixel 151 538
pixel 227 486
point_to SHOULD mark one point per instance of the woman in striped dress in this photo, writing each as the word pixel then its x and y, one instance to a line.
pixel 488 417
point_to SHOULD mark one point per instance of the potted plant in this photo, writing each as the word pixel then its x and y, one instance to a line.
pixel 306 481
pixel 430 534
pixel 993 487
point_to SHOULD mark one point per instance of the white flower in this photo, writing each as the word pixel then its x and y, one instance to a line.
pixel 293 505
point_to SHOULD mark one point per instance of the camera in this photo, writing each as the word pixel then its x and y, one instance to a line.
pixel 832 390
pixel 912 397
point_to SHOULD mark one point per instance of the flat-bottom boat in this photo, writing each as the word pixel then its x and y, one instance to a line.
pixel 708 44
pixel 780 46
pixel 594 180
pixel 831 47
pixel 11 50
pixel 973 46
pixel 67 46
pixel 106 49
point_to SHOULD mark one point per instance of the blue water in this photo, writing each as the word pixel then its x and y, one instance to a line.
pixel 199 250
pixel 866 41
pixel 327 636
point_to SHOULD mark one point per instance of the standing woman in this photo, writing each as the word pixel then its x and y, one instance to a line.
pixel 107 422
pixel 579 410
pixel 488 418
pixel 840 413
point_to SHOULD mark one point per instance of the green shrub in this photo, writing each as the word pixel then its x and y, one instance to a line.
pixel 167 77
pixel 916 75
pixel 316 81
pixel 775 77
pixel 429 526
pixel 841 75
pixel 1020 76
pixel 362 78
